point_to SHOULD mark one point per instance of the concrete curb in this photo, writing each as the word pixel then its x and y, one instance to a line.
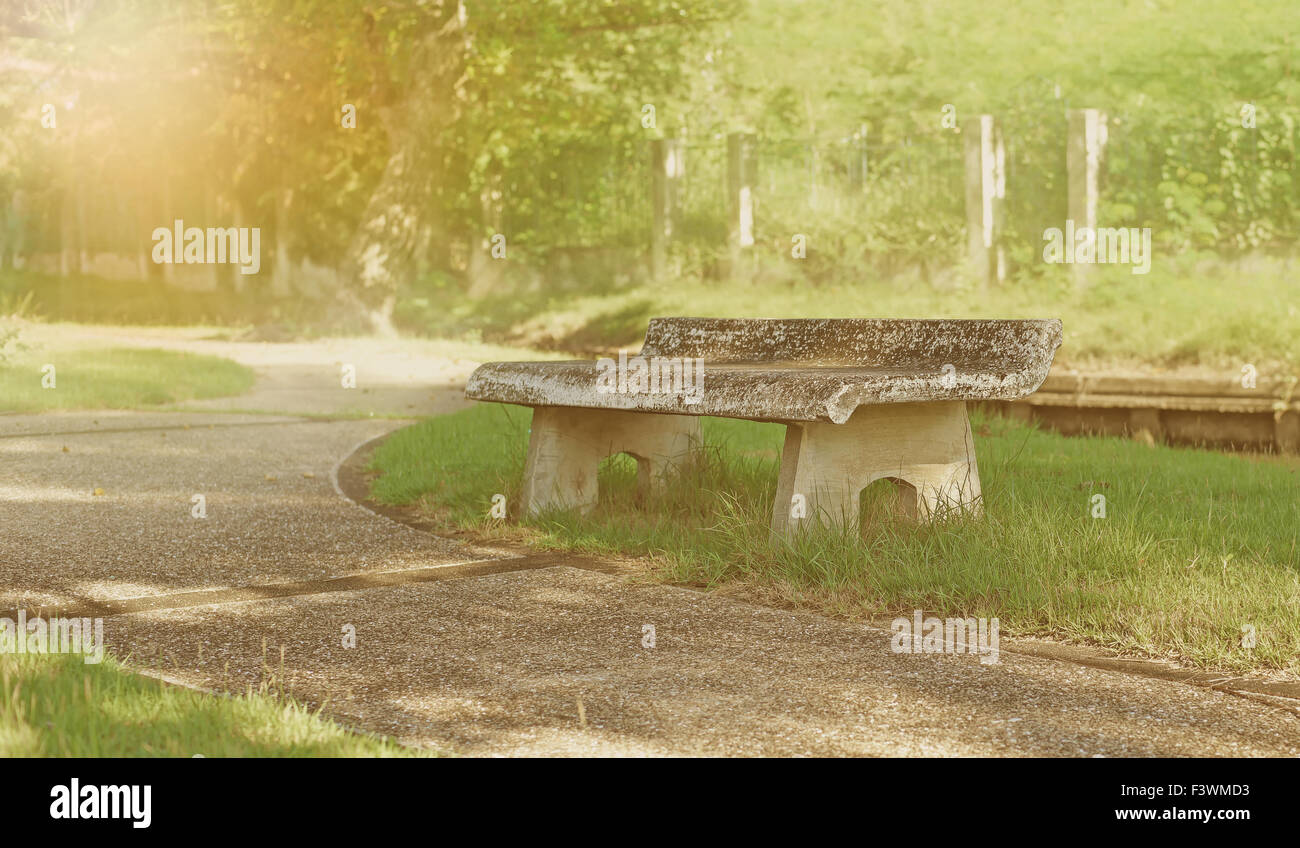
pixel 1178 409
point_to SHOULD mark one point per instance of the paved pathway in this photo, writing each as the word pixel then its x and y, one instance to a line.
pixel 484 660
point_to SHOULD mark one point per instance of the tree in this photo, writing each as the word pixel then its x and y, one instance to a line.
pixel 236 105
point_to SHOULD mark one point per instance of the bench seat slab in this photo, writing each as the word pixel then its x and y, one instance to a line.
pixel 794 369
pixel 926 448
pixel 761 391
pixel 567 444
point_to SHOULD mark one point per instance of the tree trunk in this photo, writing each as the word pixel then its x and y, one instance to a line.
pixel 400 221
pixel 144 228
pixel 485 270
pixel 282 267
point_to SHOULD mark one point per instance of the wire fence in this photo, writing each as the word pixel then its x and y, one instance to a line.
pixel 1200 182
pixel 602 198
pixel 1208 185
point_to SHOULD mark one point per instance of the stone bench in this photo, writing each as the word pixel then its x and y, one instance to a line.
pixel 862 400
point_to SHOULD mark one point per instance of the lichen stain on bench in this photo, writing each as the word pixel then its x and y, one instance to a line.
pixel 862 400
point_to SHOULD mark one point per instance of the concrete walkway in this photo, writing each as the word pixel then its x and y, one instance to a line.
pixel 505 658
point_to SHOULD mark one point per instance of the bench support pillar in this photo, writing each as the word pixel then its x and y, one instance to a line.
pixel 567 444
pixel 928 447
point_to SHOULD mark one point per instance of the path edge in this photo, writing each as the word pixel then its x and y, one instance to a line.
pixel 351 483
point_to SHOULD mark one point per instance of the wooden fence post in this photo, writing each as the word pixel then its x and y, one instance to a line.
pixel 1085 147
pixel 863 152
pixel 985 195
pixel 667 167
pixel 741 178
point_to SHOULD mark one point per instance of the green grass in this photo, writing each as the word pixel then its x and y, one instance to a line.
pixel 57 705
pixel 1195 544
pixel 149 302
pixel 115 378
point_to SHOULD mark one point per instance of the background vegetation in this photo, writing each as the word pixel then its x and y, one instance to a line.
pixel 527 120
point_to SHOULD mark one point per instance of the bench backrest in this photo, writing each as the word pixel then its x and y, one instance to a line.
pixel 850 341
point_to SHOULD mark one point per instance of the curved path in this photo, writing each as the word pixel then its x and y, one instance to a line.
pixel 503 656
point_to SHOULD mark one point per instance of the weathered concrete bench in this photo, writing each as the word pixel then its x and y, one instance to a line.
pixel 862 400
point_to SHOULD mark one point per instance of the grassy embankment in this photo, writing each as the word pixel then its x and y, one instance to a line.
pixel 1195 545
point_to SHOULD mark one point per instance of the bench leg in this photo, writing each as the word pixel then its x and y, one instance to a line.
pixel 567 444
pixel 825 467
